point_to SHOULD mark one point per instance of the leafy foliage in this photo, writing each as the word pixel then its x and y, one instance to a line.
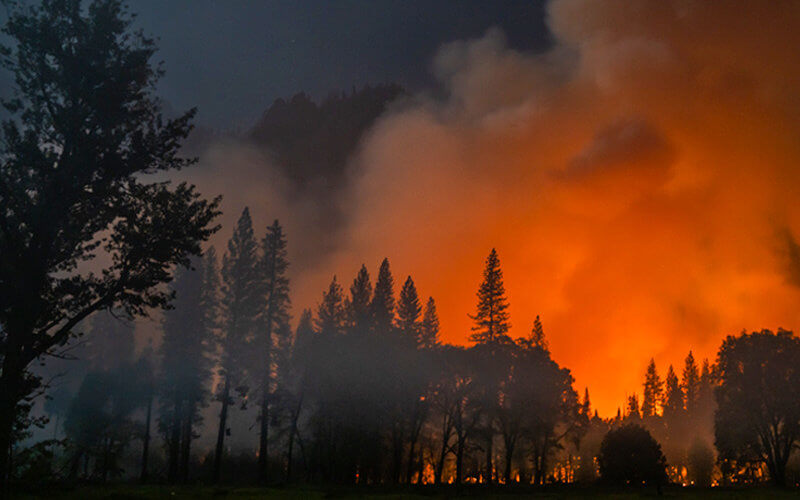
pixel 630 455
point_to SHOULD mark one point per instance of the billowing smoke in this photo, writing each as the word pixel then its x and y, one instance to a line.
pixel 639 180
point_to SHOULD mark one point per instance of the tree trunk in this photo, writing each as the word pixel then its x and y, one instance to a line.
pixel 411 450
pixel 509 455
pixel 223 421
pixel 421 464
pixel 186 444
pixel 174 445
pixel 459 458
pixel 489 459
pixel 146 440
pixel 10 381
pixel 292 432
pixel 263 461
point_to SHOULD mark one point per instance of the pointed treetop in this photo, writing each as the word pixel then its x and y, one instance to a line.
pixel 358 304
pixel 429 332
pixel 331 314
pixel 586 406
pixel 383 303
pixel 673 397
pixel 537 338
pixel 409 310
pixel 653 391
pixel 491 319
pixel 690 383
pixel 305 329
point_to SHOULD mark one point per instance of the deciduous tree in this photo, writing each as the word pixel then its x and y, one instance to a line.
pixel 86 133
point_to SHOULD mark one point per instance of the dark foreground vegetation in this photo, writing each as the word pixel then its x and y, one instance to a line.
pixel 132 492
pixel 360 393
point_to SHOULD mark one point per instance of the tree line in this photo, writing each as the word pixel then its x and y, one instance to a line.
pixel 361 391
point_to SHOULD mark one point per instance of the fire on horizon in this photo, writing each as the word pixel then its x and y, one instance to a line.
pixel 639 180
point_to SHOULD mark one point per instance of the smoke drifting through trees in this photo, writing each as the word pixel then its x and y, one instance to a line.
pixel 363 393
pixel 644 163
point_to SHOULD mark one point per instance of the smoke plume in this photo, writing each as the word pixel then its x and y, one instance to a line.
pixel 639 180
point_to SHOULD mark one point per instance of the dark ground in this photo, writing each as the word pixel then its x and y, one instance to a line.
pixel 131 492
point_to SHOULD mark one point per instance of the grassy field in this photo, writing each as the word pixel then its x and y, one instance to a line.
pixel 132 492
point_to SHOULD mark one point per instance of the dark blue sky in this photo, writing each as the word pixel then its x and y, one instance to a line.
pixel 232 58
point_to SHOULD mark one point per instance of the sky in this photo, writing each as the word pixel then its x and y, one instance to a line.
pixel 232 58
pixel 633 163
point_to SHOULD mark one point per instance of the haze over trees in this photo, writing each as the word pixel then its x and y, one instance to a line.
pixel 362 391
pixel 74 181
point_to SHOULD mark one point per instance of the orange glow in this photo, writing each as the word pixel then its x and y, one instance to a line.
pixel 640 182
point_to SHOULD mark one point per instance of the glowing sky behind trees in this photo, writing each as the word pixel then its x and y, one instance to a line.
pixel 639 180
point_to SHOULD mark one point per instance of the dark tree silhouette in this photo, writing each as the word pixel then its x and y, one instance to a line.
pixel 275 320
pixel 690 384
pixel 86 132
pixel 673 397
pixel 186 352
pixel 298 383
pixel 383 303
pixel 408 312
pixel 330 320
pixel 429 329
pixel 632 409
pixel 358 305
pixel 100 423
pixel 491 318
pixel 653 391
pixel 758 416
pixel 241 301
pixel 630 455
pixel 537 338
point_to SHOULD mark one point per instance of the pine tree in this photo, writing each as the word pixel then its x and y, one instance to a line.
pixel 383 303
pixel 242 301
pixel 358 307
pixel 185 362
pixel 690 383
pixel 653 391
pixel 408 312
pixel 673 397
pixel 633 408
pixel 305 330
pixel 537 338
pixel 429 330
pixel 586 406
pixel 331 314
pixel 275 323
pixel 491 318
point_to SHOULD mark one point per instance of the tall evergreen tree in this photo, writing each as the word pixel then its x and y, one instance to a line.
pixel 358 307
pixel 383 303
pixel 242 301
pixel 305 329
pixel 185 359
pixel 275 323
pixel 491 318
pixel 537 338
pixel 632 410
pixel 653 391
pixel 408 312
pixel 330 313
pixel 586 406
pixel 690 384
pixel 673 397
pixel 429 330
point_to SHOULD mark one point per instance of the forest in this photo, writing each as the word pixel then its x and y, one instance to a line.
pixel 241 388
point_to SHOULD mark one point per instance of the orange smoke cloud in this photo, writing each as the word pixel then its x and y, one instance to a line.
pixel 639 180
